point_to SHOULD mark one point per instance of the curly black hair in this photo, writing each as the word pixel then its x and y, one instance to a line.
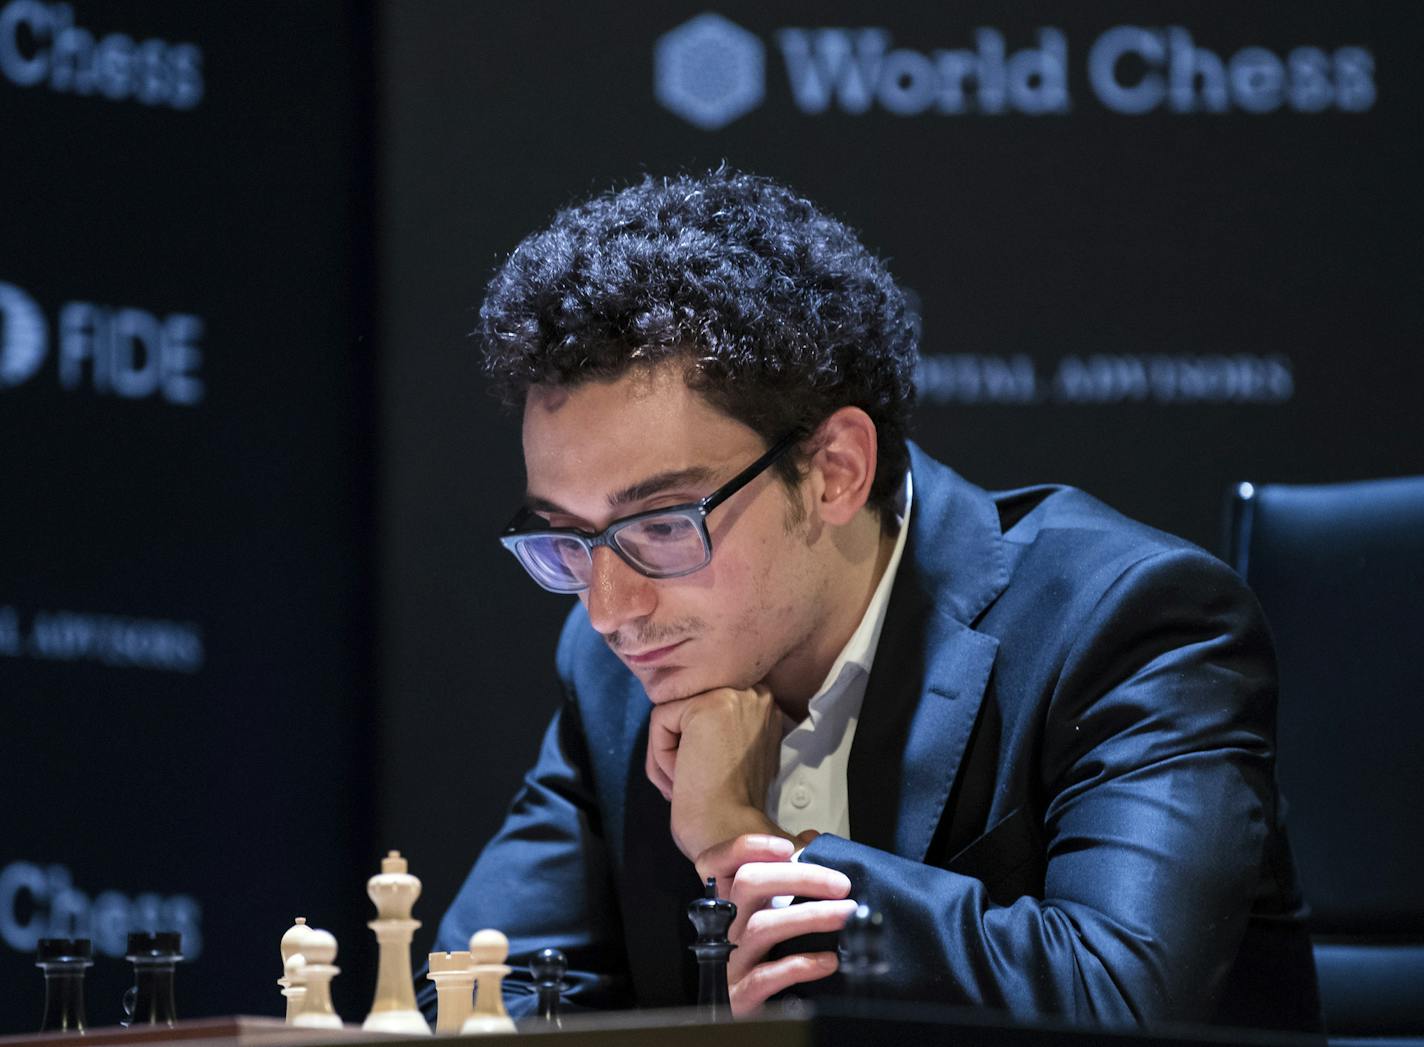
pixel 779 311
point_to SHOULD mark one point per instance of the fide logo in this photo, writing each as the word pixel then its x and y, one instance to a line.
pixel 114 351
pixel 709 71
pixel 22 336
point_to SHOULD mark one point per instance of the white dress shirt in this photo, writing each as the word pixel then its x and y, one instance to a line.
pixel 810 791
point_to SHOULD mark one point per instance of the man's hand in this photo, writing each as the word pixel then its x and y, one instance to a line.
pixel 758 869
pixel 713 756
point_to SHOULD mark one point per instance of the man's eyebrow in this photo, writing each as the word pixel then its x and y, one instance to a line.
pixel 694 476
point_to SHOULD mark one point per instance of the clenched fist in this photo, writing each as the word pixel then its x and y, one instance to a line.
pixel 713 756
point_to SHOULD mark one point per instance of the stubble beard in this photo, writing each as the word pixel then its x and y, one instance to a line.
pixel 652 636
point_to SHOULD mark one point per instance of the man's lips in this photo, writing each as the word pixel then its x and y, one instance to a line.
pixel 650 656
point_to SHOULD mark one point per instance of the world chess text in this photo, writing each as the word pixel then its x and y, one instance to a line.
pixel 41 901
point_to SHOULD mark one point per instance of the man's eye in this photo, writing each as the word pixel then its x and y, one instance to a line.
pixel 670 530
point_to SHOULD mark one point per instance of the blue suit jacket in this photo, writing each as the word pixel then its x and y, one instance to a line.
pixel 1061 788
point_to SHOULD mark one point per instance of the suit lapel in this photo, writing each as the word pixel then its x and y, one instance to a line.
pixel 931 668
pixel 660 879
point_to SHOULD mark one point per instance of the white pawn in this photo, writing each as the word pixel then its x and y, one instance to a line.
pixel 317 971
pixel 292 943
pixel 294 983
pixel 454 976
pixel 394 891
pixel 488 949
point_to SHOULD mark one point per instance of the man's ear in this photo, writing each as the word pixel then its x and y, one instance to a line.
pixel 844 460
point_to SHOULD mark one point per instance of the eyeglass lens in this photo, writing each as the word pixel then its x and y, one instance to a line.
pixel 658 545
pixel 556 560
pixel 663 544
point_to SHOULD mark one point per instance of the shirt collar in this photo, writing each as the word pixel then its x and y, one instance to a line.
pixel 857 656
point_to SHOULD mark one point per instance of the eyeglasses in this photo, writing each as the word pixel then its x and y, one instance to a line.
pixel 660 543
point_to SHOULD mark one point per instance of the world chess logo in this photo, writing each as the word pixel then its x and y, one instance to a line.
pixel 709 71
pixel 23 336
pixel 42 46
pixel 41 901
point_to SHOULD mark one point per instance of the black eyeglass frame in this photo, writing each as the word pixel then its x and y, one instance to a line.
pixel 516 531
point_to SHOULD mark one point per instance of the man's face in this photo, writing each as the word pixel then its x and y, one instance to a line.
pixel 601 451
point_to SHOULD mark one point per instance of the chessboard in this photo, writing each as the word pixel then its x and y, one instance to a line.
pixel 789 1027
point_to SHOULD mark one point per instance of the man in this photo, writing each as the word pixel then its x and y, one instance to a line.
pixel 811 661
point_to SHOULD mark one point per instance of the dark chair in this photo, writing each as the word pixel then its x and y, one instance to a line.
pixel 1339 569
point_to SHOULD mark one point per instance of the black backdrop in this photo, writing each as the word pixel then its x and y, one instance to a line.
pixel 254 628
pixel 1149 305
pixel 184 474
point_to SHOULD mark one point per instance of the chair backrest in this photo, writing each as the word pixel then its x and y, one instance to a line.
pixel 1339 569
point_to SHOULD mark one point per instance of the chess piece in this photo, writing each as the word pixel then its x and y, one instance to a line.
pixel 394 891
pixel 454 976
pixel 294 973
pixel 292 943
pixel 149 1001
pixel 712 916
pixel 488 949
pixel 547 969
pixel 64 961
pixel 316 969
pixel 862 964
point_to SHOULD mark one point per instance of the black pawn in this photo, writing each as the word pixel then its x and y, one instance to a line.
pixel 150 999
pixel 712 916
pixel 862 963
pixel 64 961
pixel 547 969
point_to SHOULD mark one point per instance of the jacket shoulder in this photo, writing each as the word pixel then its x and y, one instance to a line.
pixel 1028 514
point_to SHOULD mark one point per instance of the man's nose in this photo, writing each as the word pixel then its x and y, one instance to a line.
pixel 616 594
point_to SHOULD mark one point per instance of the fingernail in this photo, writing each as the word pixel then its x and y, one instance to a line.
pixel 826 960
pixel 778 845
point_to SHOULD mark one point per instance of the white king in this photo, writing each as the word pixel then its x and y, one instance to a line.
pixel 394 892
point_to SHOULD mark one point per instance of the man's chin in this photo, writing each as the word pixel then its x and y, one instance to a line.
pixel 674 683
pixel 669 684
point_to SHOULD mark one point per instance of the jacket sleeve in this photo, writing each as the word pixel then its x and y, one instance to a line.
pixel 544 881
pixel 1155 770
